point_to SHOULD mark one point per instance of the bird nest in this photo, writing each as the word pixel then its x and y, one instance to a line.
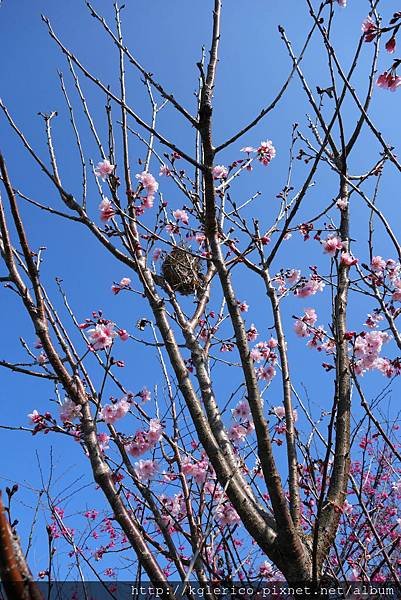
pixel 182 271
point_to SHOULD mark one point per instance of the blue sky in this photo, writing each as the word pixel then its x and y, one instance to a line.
pixel 167 39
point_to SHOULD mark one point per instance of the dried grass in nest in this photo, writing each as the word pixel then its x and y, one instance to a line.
pixel 182 271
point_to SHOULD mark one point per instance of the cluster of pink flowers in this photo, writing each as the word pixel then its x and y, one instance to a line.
pixel 263 351
pixel 226 514
pixel 102 335
pixel 348 260
pixel 173 510
pixel 342 3
pixel 107 211
pixel 145 440
pixel 303 325
pixel 310 287
pixel 69 411
pixel 369 29
pixel 198 470
pixel 279 412
pixel 378 264
pixel 252 333
pixel 287 278
pixel 150 186
pixel 110 413
pixel 248 149
pixel 91 514
pixel 389 80
pixel 104 169
pixel 146 469
pixel 332 244
pixel 266 373
pixel 220 172
pixel 242 305
pixel 103 441
pixel 387 268
pixel 266 152
pixel 181 215
pixel 42 358
pixel 124 284
pixel 239 430
pixel 367 347
pixel 396 295
pixel 266 570
pixel 242 411
pixel 35 417
pixel 342 203
pixel 164 170
pixel 145 395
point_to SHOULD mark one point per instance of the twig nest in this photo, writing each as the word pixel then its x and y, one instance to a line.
pixel 182 271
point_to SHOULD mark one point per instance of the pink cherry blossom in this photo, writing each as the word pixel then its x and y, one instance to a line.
pixel 123 335
pixel 348 260
pixel 342 203
pixel 293 275
pixel 302 326
pixel 378 264
pixel 197 470
pixel 397 487
pixel 125 282
pixel 69 411
pixel 219 172
pixel 342 3
pixel 332 244
pixel 145 395
pixel 347 508
pixel 35 417
pixel 107 211
pixel 396 295
pixel 279 411
pixel 248 149
pixel 156 254
pixel 227 515
pixel 181 215
pixel 200 237
pixel 367 348
pixel 145 440
pixel 369 29
pixel 103 440
pixel 310 288
pixel 42 358
pixel 148 182
pixel 104 169
pixel 164 170
pixel 238 431
pixel 155 431
pixel 266 152
pixel 242 410
pixel 389 80
pixel 390 45
pixel 111 413
pixel 266 373
pixel 252 333
pixel 146 469
pixel 243 306
pixel 102 336
pixel 266 570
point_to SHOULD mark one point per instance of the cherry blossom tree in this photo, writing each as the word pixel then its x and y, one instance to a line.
pixel 226 470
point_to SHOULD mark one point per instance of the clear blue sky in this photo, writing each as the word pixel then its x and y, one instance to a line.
pixel 167 38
